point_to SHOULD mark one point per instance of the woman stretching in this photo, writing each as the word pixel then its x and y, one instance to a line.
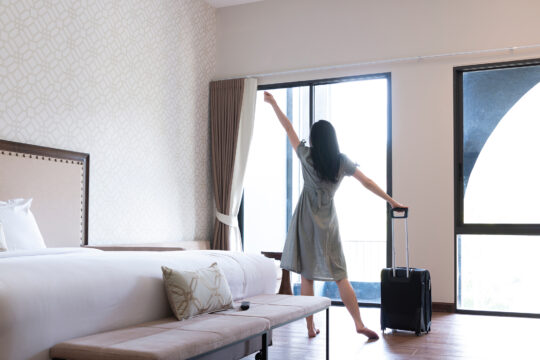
pixel 313 245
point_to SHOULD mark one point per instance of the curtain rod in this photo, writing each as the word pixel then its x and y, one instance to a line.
pixel 390 61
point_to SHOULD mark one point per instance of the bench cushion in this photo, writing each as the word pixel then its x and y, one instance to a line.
pixel 167 339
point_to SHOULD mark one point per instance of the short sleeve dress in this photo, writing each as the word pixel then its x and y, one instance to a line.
pixel 313 245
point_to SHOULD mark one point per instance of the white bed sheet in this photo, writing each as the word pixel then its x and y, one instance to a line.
pixel 51 295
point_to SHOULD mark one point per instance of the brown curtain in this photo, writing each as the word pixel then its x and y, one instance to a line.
pixel 225 106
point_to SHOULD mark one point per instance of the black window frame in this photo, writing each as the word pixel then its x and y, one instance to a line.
pixel 327 81
pixel 460 227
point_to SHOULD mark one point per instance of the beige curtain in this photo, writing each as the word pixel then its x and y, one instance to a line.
pixel 225 107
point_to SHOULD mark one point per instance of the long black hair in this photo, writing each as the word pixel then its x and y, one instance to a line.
pixel 325 150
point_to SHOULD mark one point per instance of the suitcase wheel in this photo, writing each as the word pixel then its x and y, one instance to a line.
pixel 417 333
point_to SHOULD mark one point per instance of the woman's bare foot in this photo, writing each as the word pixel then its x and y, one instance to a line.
pixel 371 335
pixel 313 331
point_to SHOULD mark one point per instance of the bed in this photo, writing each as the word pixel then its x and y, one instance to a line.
pixel 53 294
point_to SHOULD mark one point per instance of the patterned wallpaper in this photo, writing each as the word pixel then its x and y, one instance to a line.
pixel 127 82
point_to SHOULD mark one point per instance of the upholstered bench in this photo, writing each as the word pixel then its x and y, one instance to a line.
pixel 230 334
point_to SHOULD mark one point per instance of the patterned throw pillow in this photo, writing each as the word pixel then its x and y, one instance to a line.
pixel 197 292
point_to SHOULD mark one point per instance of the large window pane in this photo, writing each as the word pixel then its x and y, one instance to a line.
pixel 501 112
pixel 498 220
pixel 265 189
pixel 498 273
pixel 268 183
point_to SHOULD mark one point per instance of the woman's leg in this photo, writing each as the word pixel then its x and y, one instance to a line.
pixel 306 288
pixel 351 303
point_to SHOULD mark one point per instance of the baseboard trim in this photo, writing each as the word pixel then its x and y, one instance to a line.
pixel 444 307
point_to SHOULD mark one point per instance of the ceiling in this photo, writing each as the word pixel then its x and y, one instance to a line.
pixel 224 3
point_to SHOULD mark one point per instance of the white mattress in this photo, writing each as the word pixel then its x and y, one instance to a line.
pixel 51 295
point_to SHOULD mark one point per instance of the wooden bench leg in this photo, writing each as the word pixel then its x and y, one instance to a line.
pixel 285 287
pixel 328 334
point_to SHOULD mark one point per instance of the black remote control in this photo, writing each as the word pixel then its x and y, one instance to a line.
pixel 244 305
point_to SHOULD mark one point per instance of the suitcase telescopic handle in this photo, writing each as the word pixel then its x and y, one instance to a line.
pixel 404 216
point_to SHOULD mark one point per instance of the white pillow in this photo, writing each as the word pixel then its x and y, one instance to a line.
pixel 3 246
pixel 20 228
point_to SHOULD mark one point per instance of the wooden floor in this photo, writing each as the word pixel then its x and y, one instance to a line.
pixel 452 336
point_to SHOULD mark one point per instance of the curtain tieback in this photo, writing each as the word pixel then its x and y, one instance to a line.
pixel 230 220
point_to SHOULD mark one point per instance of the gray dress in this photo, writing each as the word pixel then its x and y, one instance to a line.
pixel 313 245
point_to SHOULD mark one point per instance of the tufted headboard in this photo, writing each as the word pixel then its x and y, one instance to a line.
pixel 57 181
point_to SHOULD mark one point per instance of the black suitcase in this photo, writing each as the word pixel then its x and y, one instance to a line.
pixel 405 292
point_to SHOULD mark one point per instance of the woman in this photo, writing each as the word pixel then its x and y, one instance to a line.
pixel 313 245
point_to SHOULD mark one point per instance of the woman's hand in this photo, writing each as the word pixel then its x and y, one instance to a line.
pixel 269 98
pixel 395 204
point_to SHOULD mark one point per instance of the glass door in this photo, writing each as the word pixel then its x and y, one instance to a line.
pixel 359 109
pixel 359 112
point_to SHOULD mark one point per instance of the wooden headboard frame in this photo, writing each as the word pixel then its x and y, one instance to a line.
pixel 10 148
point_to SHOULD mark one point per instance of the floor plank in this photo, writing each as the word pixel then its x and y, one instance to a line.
pixel 452 336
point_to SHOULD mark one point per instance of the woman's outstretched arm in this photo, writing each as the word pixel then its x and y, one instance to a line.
pixel 283 119
pixel 374 188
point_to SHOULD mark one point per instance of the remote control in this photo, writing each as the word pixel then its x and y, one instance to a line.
pixel 244 305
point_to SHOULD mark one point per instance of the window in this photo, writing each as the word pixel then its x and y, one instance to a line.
pixel 358 107
pixel 268 192
pixel 497 215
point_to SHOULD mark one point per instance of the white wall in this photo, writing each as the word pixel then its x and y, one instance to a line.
pixel 127 82
pixel 279 35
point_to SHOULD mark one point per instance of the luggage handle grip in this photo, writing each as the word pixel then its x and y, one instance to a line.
pixel 403 210
pixel 404 216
